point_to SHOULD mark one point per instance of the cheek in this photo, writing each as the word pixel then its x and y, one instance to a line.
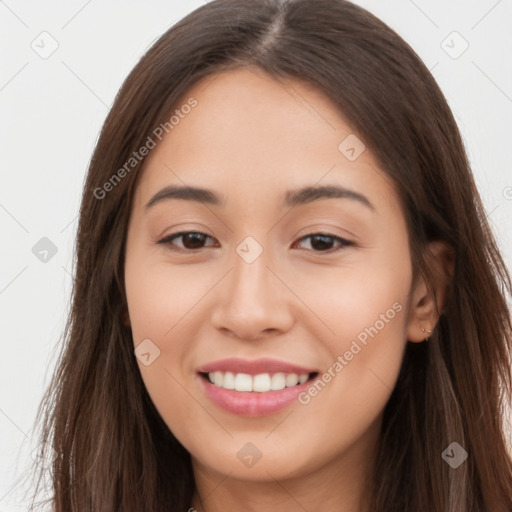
pixel 158 308
pixel 365 308
pixel 160 296
pixel 361 301
pixel 366 353
pixel 161 303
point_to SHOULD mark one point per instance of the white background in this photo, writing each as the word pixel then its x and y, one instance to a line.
pixel 51 113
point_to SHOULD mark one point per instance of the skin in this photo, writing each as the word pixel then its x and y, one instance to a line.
pixel 251 139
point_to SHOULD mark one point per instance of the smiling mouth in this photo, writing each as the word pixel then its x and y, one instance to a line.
pixel 260 383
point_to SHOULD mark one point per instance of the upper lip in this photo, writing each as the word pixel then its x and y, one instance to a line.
pixel 254 367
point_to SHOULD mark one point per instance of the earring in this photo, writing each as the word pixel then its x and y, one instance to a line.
pixel 426 331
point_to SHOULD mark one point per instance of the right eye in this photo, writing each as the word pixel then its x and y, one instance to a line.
pixel 192 240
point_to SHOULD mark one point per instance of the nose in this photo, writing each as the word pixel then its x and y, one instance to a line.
pixel 253 301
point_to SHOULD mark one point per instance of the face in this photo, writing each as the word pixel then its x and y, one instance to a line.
pixel 296 305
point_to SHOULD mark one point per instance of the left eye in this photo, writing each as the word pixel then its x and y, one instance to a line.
pixel 192 240
pixel 321 240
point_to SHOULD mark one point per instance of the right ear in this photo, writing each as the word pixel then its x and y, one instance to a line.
pixel 125 318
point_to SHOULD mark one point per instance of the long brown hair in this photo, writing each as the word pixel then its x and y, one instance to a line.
pixel 114 452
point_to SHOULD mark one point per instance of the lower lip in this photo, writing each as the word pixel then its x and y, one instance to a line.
pixel 252 403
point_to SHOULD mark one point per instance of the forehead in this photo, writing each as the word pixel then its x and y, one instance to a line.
pixel 249 132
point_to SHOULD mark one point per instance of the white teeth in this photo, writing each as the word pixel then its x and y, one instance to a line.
pixel 260 383
pixel 243 382
pixel 278 381
pixel 218 378
pixel 229 381
pixel 292 379
pixel 303 378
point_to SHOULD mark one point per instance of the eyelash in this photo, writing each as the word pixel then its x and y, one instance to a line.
pixel 168 241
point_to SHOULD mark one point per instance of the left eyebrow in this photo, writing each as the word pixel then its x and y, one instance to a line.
pixel 293 198
pixel 309 194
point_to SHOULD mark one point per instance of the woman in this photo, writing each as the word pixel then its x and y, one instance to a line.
pixel 287 294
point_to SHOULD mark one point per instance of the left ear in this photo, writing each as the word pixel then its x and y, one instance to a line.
pixel 428 299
